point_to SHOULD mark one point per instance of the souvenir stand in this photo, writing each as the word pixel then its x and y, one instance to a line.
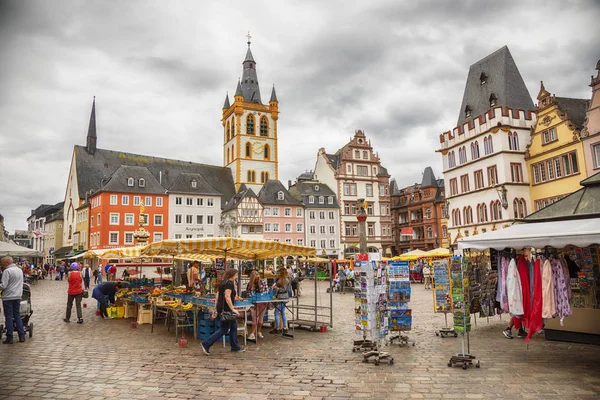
pixel 461 312
pixel 370 305
pixel 400 314
pixel 442 295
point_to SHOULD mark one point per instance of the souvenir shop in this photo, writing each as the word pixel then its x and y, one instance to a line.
pixel 547 273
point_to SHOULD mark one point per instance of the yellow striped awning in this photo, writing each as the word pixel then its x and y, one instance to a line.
pixel 119 252
pixel 243 249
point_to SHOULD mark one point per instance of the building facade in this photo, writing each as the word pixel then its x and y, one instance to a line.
pixel 250 131
pixel 555 157
pixel 590 134
pixel 194 208
pixel 96 172
pixel 82 227
pixel 36 225
pixel 54 236
pixel 419 215
pixel 321 217
pixel 115 209
pixel 283 215
pixel 355 172
pixel 242 215
pixel 485 177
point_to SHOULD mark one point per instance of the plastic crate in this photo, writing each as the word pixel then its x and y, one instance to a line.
pixel 116 312
pixel 144 317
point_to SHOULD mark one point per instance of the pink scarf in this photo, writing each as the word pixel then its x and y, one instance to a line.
pixel 548 303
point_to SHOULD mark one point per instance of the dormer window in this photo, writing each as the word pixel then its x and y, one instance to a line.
pixel 483 78
pixel 468 111
pixel 330 200
pixel 321 200
pixel 280 195
pixel 194 183
pixel 311 200
pixel 130 181
pixel 316 188
pixel 493 100
pixel 142 182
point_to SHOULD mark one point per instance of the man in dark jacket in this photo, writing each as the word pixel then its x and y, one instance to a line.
pixel 103 290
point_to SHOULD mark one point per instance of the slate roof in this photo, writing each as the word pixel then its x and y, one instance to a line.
pixel 91 169
pixel 334 159
pixel 383 171
pixel 249 82
pixel 428 178
pixel 308 175
pixel 118 181
pixel 503 80
pixel 302 190
pixel 268 194
pixel 575 109
pixel 183 184
pixel 44 210
pixel 242 192
pixel 584 203
pixel 57 216
pixel 226 104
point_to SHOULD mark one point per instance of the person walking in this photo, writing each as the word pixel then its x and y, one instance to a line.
pixel 12 290
pixel 103 290
pixel 283 287
pixel 74 292
pixel 427 276
pixel 62 271
pixel 223 308
pixel 257 286
pixel 341 275
pixel 87 276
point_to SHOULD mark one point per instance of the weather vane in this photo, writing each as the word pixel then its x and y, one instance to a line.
pixel 249 37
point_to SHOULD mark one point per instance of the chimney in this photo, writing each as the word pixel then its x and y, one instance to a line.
pixel 289 183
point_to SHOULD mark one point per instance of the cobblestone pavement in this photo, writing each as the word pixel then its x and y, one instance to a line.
pixel 107 359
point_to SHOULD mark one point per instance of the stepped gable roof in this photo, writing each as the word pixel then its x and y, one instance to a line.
pixel 502 80
pixel 383 171
pixel 269 194
pixel 242 192
pixel 302 190
pixel 428 178
pixel 118 181
pixel 580 204
pixel 184 184
pixel 575 108
pixel 92 168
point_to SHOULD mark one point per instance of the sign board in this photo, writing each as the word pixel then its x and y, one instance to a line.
pixel 406 231
pixel 220 265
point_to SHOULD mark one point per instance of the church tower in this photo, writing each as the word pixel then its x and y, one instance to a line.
pixel 250 131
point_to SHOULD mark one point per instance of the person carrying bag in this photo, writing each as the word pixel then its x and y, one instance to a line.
pixel 226 313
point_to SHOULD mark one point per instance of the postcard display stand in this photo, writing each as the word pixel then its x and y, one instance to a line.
pixel 370 305
pixel 400 315
pixel 442 295
pixel 462 318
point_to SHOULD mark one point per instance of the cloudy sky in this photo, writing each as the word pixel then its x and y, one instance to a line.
pixel 160 71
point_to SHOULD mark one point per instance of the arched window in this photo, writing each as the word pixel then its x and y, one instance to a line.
pixel 227 133
pixel 468 215
pixel 429 232
pixel 232 152
pixel 456 217
pixel 251 175
pixel 451 159
pixel 264 126
pixel 516 207
pixel 267 152
pixel 248 149
pixel 496 210
pixel 142 182
pixel 428 213
pixel 228 155
pixel 232 131
pixel 482 213
pixel 130 181
pixel 513 141
pixel 462 155
pixel 264 177
pixel 475 150
pixel 250 125
pixel 523 208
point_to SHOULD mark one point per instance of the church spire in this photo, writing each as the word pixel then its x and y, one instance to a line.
pixel 250 88
pixel 91 136
pixel 226 104
pixel 273 96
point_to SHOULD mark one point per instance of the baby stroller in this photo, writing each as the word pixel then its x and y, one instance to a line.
pixel 25 311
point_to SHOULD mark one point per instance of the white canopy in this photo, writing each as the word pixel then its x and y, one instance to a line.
pixel 11 249
pixel 558 234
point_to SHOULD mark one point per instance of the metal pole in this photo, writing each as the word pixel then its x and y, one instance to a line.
pixel 330 298
pixel 316 309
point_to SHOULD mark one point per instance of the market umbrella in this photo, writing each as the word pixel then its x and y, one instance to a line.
pixel 316 259
pixel 439 252
pixel 12 249
pixel 119 252
pixel 243 249
pixel 411 255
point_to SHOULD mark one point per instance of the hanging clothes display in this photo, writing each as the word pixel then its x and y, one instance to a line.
pixel 535 317
pixel 523 269
pixel 514 290
pixel 548 303
pixel 561 290
pixel 501 295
